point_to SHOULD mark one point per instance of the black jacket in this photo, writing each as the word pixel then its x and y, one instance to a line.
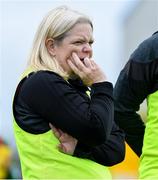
pixel 137 80
pixel 45 97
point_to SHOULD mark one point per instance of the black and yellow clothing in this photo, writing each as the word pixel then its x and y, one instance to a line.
pixel 137 81
pixel 44 97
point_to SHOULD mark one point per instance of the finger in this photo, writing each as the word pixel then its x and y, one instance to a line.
pixel 78 62
pixel 73 67
pixel 62 148
pixel 60 131
pixel 87 62
pixel 65 137
pixel 56 132
pixel 93 63
pixel 52 127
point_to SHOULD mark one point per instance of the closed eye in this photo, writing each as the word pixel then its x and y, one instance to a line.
pixel 78 42
pixel 91 42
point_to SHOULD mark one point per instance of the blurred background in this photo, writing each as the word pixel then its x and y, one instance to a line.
pixel 119 27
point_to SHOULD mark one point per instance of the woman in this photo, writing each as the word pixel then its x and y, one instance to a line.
pixel 53 90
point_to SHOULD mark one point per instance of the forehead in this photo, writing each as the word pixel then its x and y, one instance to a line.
pixel 81 30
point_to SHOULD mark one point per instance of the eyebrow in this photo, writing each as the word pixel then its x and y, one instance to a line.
pixel 83 38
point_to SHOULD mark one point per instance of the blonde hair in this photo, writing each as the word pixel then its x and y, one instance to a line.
pixel 55 25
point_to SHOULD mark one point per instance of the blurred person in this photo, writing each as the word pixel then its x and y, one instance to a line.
pixel 53 91
pixel 139 81
pixel 5 160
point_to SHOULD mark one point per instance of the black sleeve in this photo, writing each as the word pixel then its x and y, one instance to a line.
pixel 109 153
pixel 135 82
pixel 54 99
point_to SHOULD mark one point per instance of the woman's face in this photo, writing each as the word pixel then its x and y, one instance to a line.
pixel 79 40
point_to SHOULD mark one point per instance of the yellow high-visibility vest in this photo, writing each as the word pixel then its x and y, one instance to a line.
pixel 41 159
pixel 148 168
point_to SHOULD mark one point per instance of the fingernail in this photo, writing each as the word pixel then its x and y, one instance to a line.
pixel 73 54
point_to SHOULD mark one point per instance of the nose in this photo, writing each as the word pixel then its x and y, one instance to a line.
pixel 87 48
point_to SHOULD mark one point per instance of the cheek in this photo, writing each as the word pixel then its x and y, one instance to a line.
pixel 69 52
pixel 63 56
pixel 78 50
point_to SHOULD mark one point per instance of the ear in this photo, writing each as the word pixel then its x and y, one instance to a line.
pixel 50 45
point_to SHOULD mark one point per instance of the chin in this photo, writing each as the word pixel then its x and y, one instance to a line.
pixel 73 76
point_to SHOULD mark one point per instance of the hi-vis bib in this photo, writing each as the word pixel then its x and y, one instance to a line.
pixel 40 158
pixel 149 159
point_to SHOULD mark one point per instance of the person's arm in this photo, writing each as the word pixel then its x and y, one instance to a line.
pixel 134 83
pixel 109 153
pixel 125 113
